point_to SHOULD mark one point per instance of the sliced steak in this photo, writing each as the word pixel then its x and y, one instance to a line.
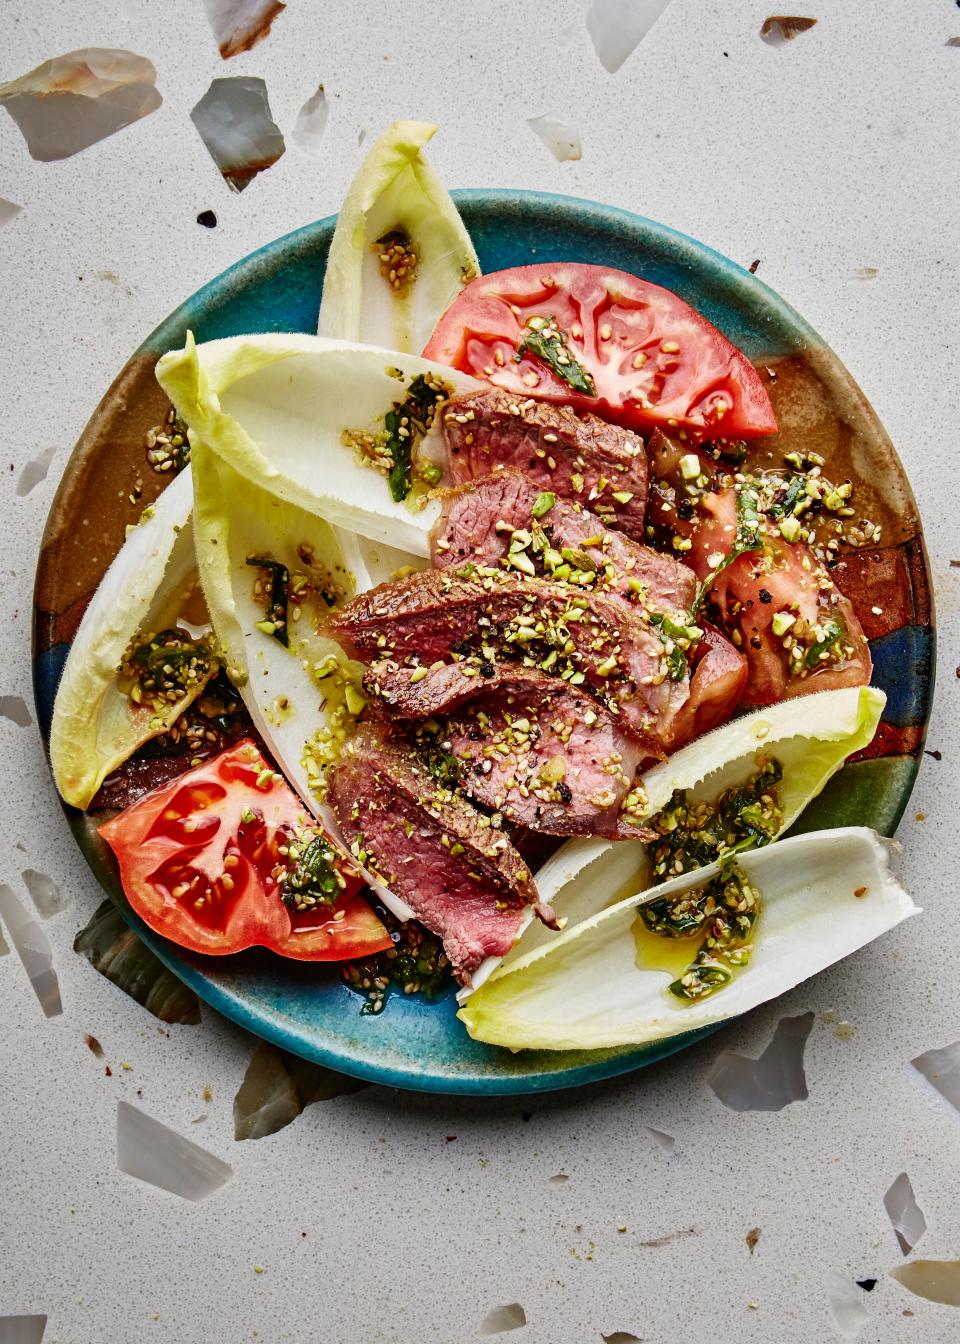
pixel 480 519
pixel 594 640
pixel 582 458
pixel 460 875
pixel 540 752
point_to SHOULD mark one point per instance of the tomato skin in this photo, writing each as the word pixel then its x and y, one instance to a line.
pixel 624 323
pixel 198 870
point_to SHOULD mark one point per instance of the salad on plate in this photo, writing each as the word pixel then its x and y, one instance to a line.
pixel 483 636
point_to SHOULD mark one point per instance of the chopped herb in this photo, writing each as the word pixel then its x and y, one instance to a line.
pixel 731 906
pixel 692 834
pixel 547 341
pixel 446 769
pixel 162 667
pixel 681 637
pixel 416 964
pixel 833 632
pixel 311 876
pixel 274 597
pixel 786 504
pixel 749 537
pixel 405 425
pixel 544 503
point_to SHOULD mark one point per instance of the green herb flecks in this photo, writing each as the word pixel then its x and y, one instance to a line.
pixel 730 907
pixel 786 505
pixel 679 640
pixel 272 592
pixel 446 769
pixel 159 669
pixel 547 341
pixel 692 834
pixel 416 964
pixel 833 633
pixel 310 875
pixel 405 425
pixel 748 537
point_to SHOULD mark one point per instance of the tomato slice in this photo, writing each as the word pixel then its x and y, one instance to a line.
pixel 649 357
pixel 199 859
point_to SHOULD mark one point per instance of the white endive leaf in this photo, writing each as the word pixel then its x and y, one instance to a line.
pixel 303 696
pixel 233 521
pixel 95 725
pixel 277 407
pixel 396 192
pixel 810 736
pixel 823 896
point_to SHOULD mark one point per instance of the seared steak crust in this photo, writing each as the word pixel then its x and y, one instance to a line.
pixel 583 458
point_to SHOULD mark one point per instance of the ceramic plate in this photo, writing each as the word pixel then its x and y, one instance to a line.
pixel 304 1008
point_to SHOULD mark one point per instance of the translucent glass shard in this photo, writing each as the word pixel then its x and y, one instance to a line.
pixel 14 708
pixel 33 948
pixel 501 1319
pixel 780 28
pixel 72 101
pixel 936 1280
pixel 311 123
pixel 8 211
pixel 278 1086
pixel 44 892
pixel 771 1082
pixel 561 139
pixel 159 1156
pixel 942 1069
pixel 845 1305
pixel 35 471
pixel 904 1213
pixel 118 954
pixel 22 1329
pixel 616 27
pixel 234 122
pixel 666 1141
pixel 239 25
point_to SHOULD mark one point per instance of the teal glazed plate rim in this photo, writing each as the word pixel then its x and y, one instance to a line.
pixel 307 1009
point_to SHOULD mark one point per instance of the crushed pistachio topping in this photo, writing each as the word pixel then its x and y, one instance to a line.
pixel 282 593
pixel 398 258
pixel 310 874
pixel 547 341
pixel 390 449
pixel 725 912
pixel 160 668
pixel 416 964
pixel 167 444
pixel 692 834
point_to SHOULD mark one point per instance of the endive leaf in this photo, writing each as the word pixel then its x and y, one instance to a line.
pixel 294 692
pixel 397 217
pixel 277 408
pixel 96 726
pixel 302 695
pixel 810 736
pixel 824 896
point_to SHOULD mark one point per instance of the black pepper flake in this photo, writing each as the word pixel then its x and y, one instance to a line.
pixel 937 755
pixel 867 1285
pixel 765 597
pixel 207 218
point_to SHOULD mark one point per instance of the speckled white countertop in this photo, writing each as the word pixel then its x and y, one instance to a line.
pixel 823 157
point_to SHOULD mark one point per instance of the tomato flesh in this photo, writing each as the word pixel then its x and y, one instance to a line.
pixel 653 359
pixel 197 862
